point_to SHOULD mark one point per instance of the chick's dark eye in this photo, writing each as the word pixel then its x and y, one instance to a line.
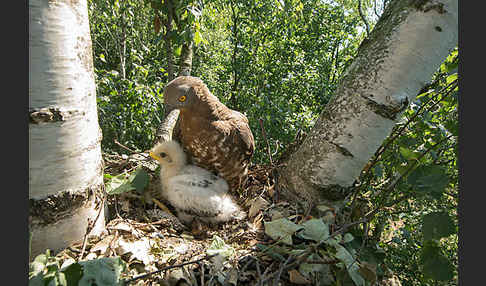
pixel 162 155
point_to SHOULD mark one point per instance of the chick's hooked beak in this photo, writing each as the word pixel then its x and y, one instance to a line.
pixel 152 154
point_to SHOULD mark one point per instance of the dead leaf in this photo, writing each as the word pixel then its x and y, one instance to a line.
pixel 122 225
pixel 103 244
pixel 257 205
pixel 139 249
pixel 157 24
pixel 368 271
pixel 297 278
pixel 125 205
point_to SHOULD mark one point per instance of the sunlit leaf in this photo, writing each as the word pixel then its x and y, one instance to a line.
pixel 102 271
pixel 315 229
pixel 219 246
pixel 281 229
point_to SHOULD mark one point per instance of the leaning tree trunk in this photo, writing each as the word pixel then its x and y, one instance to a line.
pixel 409 42
pixel 65 165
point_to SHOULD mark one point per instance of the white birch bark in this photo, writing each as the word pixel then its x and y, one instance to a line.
pixel 408 44
pixel 64 135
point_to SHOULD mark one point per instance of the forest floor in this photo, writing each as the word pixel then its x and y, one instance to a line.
pixel 159 250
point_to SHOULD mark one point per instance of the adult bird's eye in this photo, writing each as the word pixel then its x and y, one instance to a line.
pixel 182 98
pixel 162 155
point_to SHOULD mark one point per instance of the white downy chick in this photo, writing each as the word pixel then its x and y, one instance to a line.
pixel 193 191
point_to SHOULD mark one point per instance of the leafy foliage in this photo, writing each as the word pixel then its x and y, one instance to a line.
pixel 414 176
pixel 118 184
pixel 45 270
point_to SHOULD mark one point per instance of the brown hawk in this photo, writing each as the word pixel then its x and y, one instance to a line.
pixel 193 191
pixel 215 137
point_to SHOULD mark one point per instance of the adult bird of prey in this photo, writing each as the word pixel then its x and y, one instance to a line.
pixel 214 136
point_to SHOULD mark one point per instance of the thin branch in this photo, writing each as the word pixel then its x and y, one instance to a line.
pixel 90 226
pixel 391 187
pixel 363 17
pixel 280 270
pixel 167 268
pixel 124 147
pixel 266 141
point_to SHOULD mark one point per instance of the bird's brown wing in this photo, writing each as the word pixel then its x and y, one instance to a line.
pixel 238 131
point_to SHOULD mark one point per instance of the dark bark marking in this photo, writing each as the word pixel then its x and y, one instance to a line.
pixel 61 205
pixel 389 112
pixel 427 5
pixel 342 150
pixel 51 114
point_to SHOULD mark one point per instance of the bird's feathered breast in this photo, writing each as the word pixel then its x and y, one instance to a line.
pixel 216 137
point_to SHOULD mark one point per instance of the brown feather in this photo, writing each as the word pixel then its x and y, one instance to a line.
pixel 215 137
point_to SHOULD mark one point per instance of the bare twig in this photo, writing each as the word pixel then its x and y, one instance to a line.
pixel 124 147
pixel 391 187
pixel 202 273
pixel 280 270
pixel 363 17
pixel 90 226
pixel 167 268
pixel 266 141
pixel 259 273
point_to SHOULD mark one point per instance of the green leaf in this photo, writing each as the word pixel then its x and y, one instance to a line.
pixel 430 179
pixel 114 183
pixel 434 264
pixel 409 154
pixel 451 78
pixel 139 179
pixel 219 246
pixel 38 265
pixel 348 237
pixel 104 271
pixel 281 229
pixel 73 274
pixel 437 225
pixel 351 264
pixel 315 229
pixel 306 269
pixel 197 37
pixel 452 126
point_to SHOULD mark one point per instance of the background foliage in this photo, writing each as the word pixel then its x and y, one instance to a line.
pixel 280 62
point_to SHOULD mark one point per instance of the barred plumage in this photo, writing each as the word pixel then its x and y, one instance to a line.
pixel 215 137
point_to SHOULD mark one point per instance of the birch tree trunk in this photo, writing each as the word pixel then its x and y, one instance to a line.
pixel 408 44
pixel 65 164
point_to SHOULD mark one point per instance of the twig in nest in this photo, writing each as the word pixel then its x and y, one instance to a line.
pixel 280 270
pixel 266 141
pixel 259 273
pixel 202 272
pixel 128 149
pixel 123 146
pixel 167 268
pixel 90 226
pixel 162 206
